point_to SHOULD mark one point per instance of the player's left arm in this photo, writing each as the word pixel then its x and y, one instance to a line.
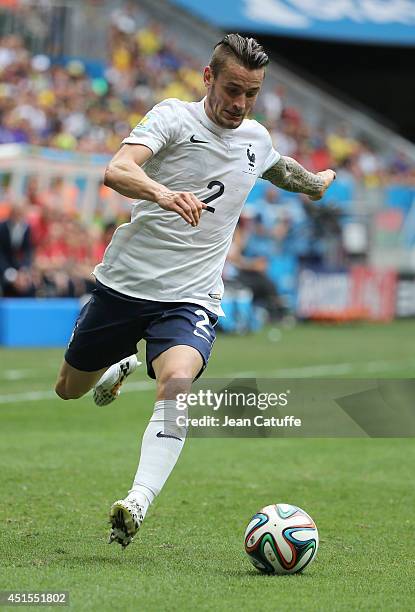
pixel 288 174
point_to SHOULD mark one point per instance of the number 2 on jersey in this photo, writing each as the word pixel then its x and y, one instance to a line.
pixel 215 195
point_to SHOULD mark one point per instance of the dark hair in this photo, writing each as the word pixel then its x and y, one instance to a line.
pixel 246 51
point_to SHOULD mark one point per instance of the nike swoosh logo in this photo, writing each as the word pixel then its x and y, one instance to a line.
pixel 193 139
pixel 162 435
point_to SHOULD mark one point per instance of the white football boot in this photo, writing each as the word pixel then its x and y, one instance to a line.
pixel 107 388
pixel 126 516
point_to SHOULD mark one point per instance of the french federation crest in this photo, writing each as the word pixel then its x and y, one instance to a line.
pixel 251 158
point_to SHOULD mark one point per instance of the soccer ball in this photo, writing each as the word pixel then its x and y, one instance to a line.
pixel 281 539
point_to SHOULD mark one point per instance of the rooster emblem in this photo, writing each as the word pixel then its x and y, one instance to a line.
pixel 251 157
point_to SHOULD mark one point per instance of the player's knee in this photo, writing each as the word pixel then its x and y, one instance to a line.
pixel 63 390
pixel 174 380
pixel 176 372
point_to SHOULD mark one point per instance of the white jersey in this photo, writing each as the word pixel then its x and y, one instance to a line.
pixel 158 256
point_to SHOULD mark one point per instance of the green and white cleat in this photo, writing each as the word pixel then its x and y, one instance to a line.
pixel 108 387
pixel 126 517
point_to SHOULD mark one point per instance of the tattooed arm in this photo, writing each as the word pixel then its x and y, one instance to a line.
pixel 291 176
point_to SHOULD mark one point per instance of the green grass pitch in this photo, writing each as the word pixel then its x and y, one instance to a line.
pixel 63 463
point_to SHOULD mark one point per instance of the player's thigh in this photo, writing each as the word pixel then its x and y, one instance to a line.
pixel 175 369
pixel 73 383
pixel 179 344
pixel 107 330
pixel 179 360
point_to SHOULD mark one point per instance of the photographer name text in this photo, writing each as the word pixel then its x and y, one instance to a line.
pixel 257 421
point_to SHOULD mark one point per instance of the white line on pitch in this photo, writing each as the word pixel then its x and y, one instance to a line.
pixel 333 369
pixel 330 369
pixel 21 373
pixel 35 396
pixel 11 375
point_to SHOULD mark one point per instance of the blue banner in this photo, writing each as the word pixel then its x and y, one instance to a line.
pixel 364 21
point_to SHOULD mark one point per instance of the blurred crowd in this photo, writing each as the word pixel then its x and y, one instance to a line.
pixel 47 250
pixel 62 106
pixel 51 104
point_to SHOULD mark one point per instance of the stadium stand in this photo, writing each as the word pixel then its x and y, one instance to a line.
pixel 74 112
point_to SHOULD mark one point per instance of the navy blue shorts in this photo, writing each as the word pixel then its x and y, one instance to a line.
pixel 111 324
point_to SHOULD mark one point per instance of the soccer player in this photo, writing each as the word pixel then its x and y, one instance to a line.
pixel 189 167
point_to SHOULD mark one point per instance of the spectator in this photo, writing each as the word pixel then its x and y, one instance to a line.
pixel 61 195
pixel 62 106
pixel 16 249
pixel 251 272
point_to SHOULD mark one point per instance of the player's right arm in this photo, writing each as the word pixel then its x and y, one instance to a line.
pixel 125 175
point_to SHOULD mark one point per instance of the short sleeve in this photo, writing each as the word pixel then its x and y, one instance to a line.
pixel 271 155
pixel 159 127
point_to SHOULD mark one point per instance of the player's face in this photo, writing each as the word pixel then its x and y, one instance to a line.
pixel 232 94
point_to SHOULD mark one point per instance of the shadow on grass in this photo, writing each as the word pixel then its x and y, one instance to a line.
pixel 253 574
pixel 101 560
